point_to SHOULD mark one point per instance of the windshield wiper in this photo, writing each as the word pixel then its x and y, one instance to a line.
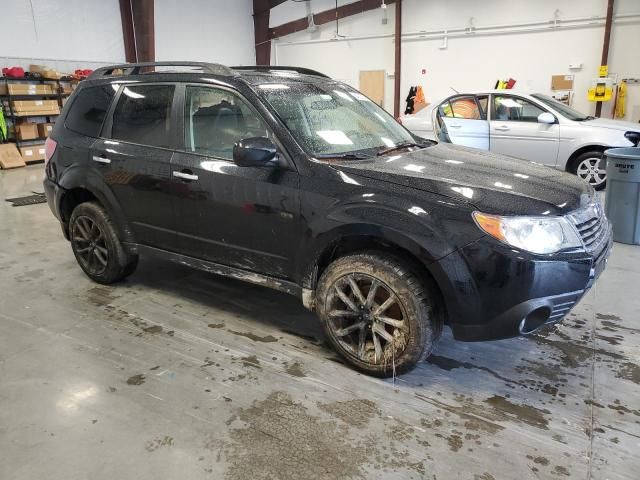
pixel 346 155
pixel 399 146
pixel 588 117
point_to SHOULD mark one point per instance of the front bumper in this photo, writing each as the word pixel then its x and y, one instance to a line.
pixel 493 291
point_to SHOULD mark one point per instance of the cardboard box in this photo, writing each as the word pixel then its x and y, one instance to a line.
pixel 37 113
pixel 10 156
pixel 44 129
pixel 26 131
pixel 26 89
pixel 34 104
pixel 562 82
pixel 37 68
pixel 32 153
pixel 52 74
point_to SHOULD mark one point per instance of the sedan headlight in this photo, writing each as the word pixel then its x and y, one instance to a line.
pixel 533 234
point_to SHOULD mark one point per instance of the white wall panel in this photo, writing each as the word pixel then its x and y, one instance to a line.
pixel 474 61
pixel 205 30
pixel 86 31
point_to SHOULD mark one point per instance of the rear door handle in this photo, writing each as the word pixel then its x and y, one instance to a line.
pixel 455 125
pixel 101 159
pixel 502 128
pixel 185 175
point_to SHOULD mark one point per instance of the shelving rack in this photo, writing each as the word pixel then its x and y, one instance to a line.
pixel 10 114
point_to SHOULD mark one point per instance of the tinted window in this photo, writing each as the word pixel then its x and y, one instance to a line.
pixel 88 110
pixel 143 115
pixel 216 119
pixel 515 109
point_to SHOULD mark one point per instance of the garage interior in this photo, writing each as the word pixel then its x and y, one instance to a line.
pixel 178 373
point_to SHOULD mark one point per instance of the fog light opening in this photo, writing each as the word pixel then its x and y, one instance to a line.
pixel 534 320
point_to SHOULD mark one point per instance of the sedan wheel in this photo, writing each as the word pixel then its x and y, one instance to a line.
pixel 589 170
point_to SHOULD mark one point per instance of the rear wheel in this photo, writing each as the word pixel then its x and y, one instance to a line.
pixel 588 167
pixel 96 245
pixel 377 313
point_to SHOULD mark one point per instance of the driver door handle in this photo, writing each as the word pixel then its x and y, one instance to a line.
pixel 101 159
pixel 502 128
pixel 185 175
pixel 455 125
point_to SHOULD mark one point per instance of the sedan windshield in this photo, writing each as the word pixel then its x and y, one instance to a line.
pixel 561 108
pixel 332 119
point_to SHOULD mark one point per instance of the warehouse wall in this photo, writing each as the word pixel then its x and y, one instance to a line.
pixel 205 30
pixel 472 62
pixel 47 32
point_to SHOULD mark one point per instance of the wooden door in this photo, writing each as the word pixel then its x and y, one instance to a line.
pixel 372 85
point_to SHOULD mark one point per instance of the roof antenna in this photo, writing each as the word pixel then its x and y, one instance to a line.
pixel 454 89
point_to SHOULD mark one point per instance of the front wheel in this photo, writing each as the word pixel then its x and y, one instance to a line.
pixel 377 313
pixel 588 167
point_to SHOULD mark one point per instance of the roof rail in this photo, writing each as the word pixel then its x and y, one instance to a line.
pixel 135 68
pixel 273 68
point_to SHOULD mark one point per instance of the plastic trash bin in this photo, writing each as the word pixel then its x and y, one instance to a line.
pixel 622 203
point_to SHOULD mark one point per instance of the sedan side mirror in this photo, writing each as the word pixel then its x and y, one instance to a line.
pixel 255 152
pixel 547 118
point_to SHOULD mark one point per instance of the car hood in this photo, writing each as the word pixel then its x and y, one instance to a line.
pixel 491 183
pixel 612 124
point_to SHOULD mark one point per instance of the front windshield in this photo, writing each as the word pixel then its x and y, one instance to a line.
pixel 332 119
pixel 561 108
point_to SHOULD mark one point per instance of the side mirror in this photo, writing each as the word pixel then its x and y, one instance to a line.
pixel 547 118
pixel 255 152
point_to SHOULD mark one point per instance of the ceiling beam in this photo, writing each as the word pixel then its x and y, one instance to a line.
pixel 326 16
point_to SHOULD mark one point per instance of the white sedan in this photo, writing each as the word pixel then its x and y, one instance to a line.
pixel 529 126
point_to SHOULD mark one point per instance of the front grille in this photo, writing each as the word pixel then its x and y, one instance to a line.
pixel 592 225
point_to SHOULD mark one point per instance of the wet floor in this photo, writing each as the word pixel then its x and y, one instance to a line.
pixel 181 374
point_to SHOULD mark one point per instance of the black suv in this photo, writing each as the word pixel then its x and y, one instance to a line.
pixel 286 178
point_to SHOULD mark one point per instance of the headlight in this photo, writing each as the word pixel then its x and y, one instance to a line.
pixel 533 234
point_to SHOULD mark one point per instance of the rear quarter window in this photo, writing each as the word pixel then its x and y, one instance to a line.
pixel 89 110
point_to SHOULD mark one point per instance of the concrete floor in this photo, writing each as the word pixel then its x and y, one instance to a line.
pixel 180 374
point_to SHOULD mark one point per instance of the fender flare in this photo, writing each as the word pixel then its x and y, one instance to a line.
pixel 86 179
pixel 327 241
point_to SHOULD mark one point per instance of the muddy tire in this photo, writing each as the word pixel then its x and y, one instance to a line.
pixel 96 245
pixel 377 313
pixel 587 167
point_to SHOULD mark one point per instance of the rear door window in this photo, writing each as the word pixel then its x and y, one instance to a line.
pixel 143 115
pixel 89 110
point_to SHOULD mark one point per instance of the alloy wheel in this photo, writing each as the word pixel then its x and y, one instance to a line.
pixel 90 245
pixel 367 319
pixel 589 170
